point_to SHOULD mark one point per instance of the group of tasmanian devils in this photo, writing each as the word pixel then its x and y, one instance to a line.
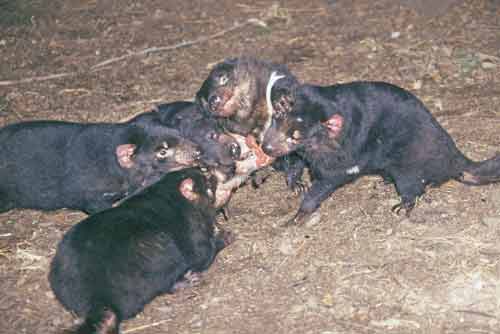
pixel 153 185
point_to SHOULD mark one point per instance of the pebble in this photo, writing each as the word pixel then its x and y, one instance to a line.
pixel 495 197
pixel 286 247
pixel 488 65
pixel 165 309
pixel 491 222
pixel 297 308
pixel 312 302
pixel 314 220
pixel 395 34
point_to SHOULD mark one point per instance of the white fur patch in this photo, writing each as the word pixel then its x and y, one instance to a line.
pixel 353 170
pixel 272 80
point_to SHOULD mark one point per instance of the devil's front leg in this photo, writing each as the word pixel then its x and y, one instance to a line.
pixel 320 190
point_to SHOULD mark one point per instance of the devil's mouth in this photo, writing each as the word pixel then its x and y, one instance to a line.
pixel 228 105
pixel 224 110
pixel 280 151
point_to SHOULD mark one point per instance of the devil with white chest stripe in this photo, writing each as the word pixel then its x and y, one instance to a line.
pixel 235 93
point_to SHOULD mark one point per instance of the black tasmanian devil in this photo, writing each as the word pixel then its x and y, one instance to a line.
pixel 222 152
pixel 219 149
pixel 110 265
pixel 49 165
pixel 353 129
pixel 235 93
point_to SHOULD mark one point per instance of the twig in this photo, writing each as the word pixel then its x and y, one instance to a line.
pixel 101 65
pixel 478 313
pixel 359 326
pixel 32 79
pixel 140 328
pixel 180 45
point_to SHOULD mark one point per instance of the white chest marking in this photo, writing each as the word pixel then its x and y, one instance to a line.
pixel 272 80
pixel 353 170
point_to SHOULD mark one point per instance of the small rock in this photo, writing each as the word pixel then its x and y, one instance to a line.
pixel 395 323
pixel 56 322
pixel 447 51
pixel 165 309
pixel 395 34
pixel 327 300
pixel 438 104
pixel 391 202
pixel 312 302
pixel 297 308
pixel 197 324
pixel 286 247
pixel 314 220
pixel 488 65
pixel 196 321
pixel 159 14
pixel 491 222
pixel 495 198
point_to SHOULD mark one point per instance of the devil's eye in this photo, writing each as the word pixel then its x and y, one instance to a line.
pixel 299 120
pixel 162 154
pixel 164 145
pixel 278 115
pixel 223 79
pixel 213 135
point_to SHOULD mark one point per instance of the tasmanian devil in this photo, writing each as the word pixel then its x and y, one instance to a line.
pixel 235 93
pixel 348 130
pixel 50 164
pixel 110 265
pixel 226 154
pixel 219 149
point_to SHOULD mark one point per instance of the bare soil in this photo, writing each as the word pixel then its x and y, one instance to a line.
pixel 358 268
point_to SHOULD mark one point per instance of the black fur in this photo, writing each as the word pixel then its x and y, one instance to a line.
pixel 238 85
pixel 235 93
pixel 218 148
pixel 110 265
pixel 386 130
pixel 50 165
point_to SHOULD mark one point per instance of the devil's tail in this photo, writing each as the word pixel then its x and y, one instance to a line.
pixel 481 172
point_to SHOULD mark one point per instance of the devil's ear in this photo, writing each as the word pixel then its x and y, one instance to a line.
pixel 124 154
pixel 334 125
pixel 186 188
pixel 135 137
pixel 283 94
pixel 282 100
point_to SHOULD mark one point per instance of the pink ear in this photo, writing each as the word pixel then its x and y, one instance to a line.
pixel 187 190
pixel 124 154
pixel 334 125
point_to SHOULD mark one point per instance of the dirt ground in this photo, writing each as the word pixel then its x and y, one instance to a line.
pixel 359 268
